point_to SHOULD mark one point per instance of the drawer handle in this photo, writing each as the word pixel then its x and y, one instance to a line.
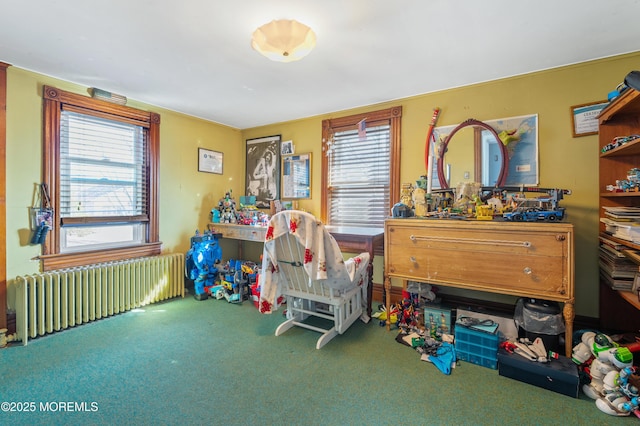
pixel 412 259
pixel 506 243
pixel 527 270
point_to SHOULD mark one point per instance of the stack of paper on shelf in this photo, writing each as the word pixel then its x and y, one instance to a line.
pixel 625 230
pixel 611 243
pixel 616 268
pixel 628 213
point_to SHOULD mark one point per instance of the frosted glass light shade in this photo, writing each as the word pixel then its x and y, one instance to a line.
pixel 284 40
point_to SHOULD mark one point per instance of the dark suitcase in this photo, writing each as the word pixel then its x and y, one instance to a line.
pixel 559 375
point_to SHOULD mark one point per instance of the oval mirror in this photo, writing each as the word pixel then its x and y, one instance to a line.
pixel 472 152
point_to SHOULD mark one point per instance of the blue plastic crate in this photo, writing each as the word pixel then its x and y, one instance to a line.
pixel 477 347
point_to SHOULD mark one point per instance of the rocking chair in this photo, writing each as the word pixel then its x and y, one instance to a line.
pixel 303 265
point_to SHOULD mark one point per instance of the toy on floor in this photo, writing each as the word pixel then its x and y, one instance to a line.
pixel 597 371
pixel 382 315
pixel 407 315
pixel 202 262
pixel 599 356
pixel 236 277
pixel 240 286
pixel 613 381
pixel 533 351
pixel 621 393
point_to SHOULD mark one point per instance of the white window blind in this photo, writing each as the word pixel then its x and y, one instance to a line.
pixel 102 168
pixel 359 170
pixel 103 183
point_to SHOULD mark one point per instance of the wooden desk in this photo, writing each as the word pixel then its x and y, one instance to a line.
pixel 527 259
pixel 349 239
pixel 240 232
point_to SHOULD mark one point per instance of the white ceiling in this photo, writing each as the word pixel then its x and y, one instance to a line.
pixel 194 56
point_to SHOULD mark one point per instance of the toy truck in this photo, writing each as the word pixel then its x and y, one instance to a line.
pixel 538 209
pixel 534 215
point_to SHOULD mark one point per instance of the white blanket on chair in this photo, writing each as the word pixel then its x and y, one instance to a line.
pixel 323 259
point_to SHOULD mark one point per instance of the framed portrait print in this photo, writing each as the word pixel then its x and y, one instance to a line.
pixel 263 170
pixel 209 161
pixel 286 147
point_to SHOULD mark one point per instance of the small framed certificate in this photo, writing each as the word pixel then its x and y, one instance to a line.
pixel 209 161
pixel 584 118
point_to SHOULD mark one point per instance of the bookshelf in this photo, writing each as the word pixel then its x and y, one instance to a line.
pixel 619 309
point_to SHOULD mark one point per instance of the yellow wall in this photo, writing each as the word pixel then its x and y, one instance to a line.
pixel 187 196
pixel 564 161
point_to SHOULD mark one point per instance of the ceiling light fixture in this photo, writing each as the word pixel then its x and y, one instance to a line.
pixel 284 40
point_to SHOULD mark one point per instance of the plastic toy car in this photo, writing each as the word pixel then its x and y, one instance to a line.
pixel 534 215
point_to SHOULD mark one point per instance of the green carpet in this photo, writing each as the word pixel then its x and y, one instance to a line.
pixel 210 362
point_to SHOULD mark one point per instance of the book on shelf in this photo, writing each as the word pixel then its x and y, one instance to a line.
pixel 617 283
pixel 622 218
pixel 615 272
pixel 619 264
pixel 622 212
pixel 611 243
pixel 614 252
pixel 616 264
pixel 619 256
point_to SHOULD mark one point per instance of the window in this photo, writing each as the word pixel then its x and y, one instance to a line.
pixel 360 168
pixel 100 163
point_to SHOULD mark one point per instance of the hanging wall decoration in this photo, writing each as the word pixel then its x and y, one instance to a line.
pixel 584 118
pixel 209 161
pixel 296 176
pixel 263 170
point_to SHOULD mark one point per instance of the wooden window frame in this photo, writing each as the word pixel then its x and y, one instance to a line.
pixel 3 194
pixel 54 101
pixel 393 115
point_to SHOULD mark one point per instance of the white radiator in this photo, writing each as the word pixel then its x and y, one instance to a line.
pixel 56 300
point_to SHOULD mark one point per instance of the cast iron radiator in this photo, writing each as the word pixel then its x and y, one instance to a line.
pixel 56 300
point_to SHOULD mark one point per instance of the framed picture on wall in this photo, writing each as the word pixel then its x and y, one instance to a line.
pixel 262 177
pixel 209 161
pixel 286 148
pixel 584 118
pixel 296 176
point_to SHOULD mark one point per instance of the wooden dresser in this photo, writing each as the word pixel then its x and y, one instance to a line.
pixel 526 259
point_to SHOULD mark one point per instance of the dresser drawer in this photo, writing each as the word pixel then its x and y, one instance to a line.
pixel 240 232
pixel 524 260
